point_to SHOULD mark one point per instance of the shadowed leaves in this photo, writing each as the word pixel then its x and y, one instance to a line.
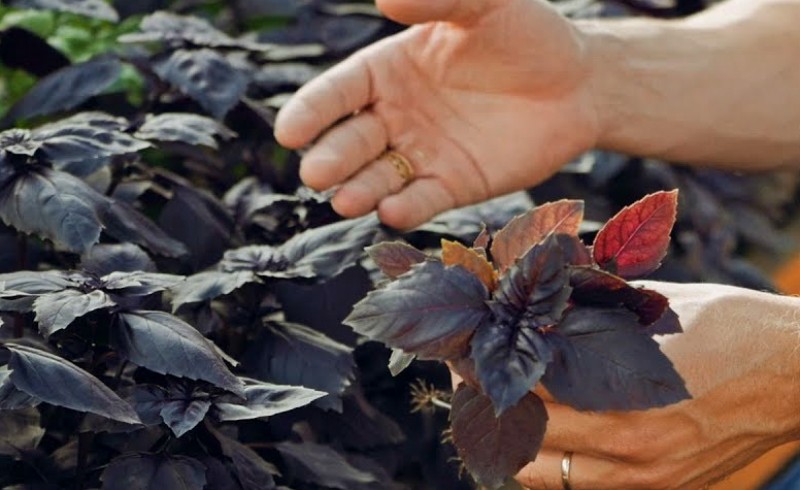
pixel 492 448
pixel 57 381
pixel 154 472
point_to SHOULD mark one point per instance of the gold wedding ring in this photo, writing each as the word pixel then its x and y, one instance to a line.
pixel 401 164
pixel 566 467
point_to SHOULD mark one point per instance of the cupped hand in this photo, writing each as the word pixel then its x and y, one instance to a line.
pixel 483 97
pixel 739 357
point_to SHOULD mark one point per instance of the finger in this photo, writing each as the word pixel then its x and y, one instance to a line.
pixel 420 11
pixel 337 93
pixel 585 472
pixel 362 193
pixel 343 150
pixel 421 200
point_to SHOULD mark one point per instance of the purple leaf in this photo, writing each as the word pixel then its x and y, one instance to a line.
pixel 395 258
pixel 265 400
pixel 509 361
pixel 154 472
pixel 293 354
pixel 56 311
pixel 611 364
pixel 535 289
pixel 59 382
pixel 431 312
pixel 166 344
pixel 494 449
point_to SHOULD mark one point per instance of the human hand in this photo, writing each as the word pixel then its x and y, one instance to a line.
pixel 483 97
pixel 738 356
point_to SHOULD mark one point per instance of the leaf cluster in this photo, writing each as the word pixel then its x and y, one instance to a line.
pixel 532 304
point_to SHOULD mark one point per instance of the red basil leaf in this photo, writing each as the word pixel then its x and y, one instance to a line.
pixel 634 242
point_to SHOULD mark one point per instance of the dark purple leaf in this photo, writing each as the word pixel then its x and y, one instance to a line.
pixel 208 285
pixel 139 283
pixel 495 449
pixel 322 466
pixel 200 222
pixel 18 290
pixel 97 9
pixel 534 291
pixel 529 229
pixel 53 205
pixel 575 251
pixel 181 406
pixel 206 76
pixel 251 470
pixel 395 258
pixel 56 311
pixel 668 324
pixel 594 287
pixel 125 223
pixel 328 250
pixel 154 472
pixel 66 88
pixel 293 354
pixel 509 361
pixel 431 312
pixel 20 430
pixel 165 344
pixel 59 382
pixel 611 365
pixel 12 398
pixel 635 241
pixel 265 400
pixel 85 136
pixel 191 129
pixel 106 258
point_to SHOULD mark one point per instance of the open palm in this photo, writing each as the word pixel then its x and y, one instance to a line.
pixel 483 97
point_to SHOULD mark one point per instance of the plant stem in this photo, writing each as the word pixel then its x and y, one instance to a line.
pixel 441 404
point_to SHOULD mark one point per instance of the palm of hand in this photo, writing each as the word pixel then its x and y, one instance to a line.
pixel 479 108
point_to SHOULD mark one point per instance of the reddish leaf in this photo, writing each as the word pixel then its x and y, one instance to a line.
pixel 494 449
pixel 454 253
pixel 525 231
pixel 395 258
pixel 634 241
pixel 484 240
pixel 599 288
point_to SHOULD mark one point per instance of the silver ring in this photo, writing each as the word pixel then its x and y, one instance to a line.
pixel 566 467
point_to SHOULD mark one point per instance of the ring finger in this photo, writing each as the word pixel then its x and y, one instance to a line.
pixel 389 173
pixel 585 473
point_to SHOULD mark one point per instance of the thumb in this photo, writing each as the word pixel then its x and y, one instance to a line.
pixel 421 11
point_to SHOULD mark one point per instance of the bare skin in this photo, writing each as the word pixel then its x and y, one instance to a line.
pixel 486 97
